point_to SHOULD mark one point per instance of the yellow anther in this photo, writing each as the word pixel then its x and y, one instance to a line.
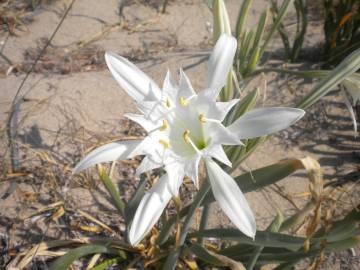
pixel 183 101
pixel 202 118
pixel 168 103
pixel 164 143
pixel 186 136
pixel 164 126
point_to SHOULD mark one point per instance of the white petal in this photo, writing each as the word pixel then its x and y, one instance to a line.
pixel 264 121
pixel 135 82
pixel 219 134
pixel 220 64
pixel 175 172
pixel 147 124
pixel 192 169
pixel 149 210
pixel 223 108
pixel 169 90
pixel 147 164
pixel 152 110
pixel 109 152
pixel 230 198
pixel 185 88
pixel 217 151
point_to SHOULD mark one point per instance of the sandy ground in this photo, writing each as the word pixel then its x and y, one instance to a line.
pixel 66 109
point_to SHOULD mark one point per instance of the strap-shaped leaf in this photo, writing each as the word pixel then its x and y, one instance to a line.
pixel 114 193
pixel 65 261
pixel 347 67
pixel 133 203
pixel 214 259
pixel 262 238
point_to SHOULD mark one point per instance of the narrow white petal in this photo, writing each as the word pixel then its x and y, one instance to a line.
pixel 152 110
pixel 147 164
pixel 185 88
pixel 149 210
pixel 147 124
pixel 264 121
pixel 223 108
pixel 169 89
pixel 217 151
pixel 109 152
pixel 192 169
pixel 175 172
pixel 135 82
pixel 219 134
pixel 230 198
pixel 220 63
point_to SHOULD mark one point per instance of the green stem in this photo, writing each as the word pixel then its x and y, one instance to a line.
pixel 171 260
pixel 204 220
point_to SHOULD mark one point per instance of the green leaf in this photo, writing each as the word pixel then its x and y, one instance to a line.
pixel 273 227
pixel 244 105
pixel 347 67
pixel 107 263
pixel 114 193
pixel 281 14
pixel 65 261
pixel 133 203
pixel 203 254
pixel 244 10
pixel 172 258
pixel 212 258
pixel 262 238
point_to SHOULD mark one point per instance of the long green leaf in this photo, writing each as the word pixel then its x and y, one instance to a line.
pixel 215 259
pixel 171 260
pixel 262 238
pixel 204 255
pixel 244 10
pixel 65 261
pixel 347 67
pixel 114 193
pixel 273 227
pixel 133 203
pixel 282 12
pixel 107 263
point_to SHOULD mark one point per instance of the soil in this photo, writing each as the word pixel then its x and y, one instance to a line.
pixel 70 103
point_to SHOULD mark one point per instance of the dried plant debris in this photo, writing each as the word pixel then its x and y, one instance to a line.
pixel 16 14
pixel 60 60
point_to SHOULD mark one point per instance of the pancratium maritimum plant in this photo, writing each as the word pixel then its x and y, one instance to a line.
pixel 184 127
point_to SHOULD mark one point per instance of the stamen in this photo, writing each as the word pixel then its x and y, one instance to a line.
pixel 202 118
pixel 183 101
pixel 168 103
pixel 188 140
pixel 164 143
pixel 186 136
pixel 165 125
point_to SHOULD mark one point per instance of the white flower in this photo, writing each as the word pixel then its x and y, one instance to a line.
pixel 184 127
